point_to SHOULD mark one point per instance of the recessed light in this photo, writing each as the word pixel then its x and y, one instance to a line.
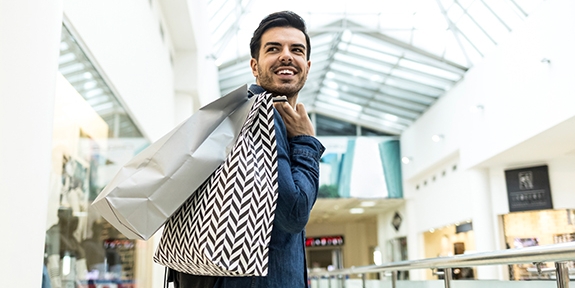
pixel 367 204
pixel 356 210
pixel 478 108
pixel 405 160
pixel 437 137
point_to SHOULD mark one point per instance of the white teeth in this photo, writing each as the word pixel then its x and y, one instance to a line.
pixel 285 72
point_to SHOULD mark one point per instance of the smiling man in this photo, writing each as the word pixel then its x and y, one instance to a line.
pixel 280 50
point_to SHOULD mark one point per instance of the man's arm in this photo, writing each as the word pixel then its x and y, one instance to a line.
pixel 298 172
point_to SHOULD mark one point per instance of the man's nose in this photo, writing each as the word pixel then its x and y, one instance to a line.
pixel 285 55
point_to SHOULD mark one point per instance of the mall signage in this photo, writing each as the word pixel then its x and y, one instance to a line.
pixel 324 241
pixel 528 189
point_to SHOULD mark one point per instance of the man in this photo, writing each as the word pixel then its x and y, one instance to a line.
pixel 280 50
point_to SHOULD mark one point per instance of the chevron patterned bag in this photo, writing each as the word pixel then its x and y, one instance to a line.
pixel 224 228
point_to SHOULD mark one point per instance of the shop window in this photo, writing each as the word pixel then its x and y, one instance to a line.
pixel 92 137
pixel 537 228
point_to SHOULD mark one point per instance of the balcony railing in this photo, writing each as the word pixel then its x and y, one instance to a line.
pixel 558 253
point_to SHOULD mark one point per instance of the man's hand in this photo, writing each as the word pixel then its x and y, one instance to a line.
pixel 296 120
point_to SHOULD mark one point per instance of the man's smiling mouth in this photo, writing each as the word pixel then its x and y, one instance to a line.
pixel 285 72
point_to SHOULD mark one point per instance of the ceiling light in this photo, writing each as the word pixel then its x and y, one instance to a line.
pixel 329 92
pixel 346 35
pixel 332 84
pixel 476 108
pixel 431 230
pixel 437 137
pixel 377 256
pixel 367 204
pixel 356 210
pixel 391 117
pixel 405 159
pixel 356 73
pixel 218 62
pixel 329 75
pixel 89 85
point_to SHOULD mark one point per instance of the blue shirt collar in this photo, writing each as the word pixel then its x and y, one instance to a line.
pixel 255 90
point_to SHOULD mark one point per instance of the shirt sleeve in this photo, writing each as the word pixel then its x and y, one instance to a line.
pixel 298 178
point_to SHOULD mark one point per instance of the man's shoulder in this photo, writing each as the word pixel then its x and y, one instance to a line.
pixel 255 89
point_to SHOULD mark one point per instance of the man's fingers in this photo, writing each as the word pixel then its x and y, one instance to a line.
pixel 300 109
pixel 284 108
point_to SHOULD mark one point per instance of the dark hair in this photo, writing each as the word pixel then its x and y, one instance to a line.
pixel 278 19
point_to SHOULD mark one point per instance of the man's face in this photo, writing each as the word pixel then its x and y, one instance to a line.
pixel 282 65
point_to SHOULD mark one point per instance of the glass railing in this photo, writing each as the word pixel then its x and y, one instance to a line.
pixel 359 277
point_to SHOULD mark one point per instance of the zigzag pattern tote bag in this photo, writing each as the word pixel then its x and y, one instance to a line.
pixel 224 228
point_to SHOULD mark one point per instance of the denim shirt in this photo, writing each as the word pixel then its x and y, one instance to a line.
pixel 298 181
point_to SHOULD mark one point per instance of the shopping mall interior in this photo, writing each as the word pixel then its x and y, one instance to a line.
pixel 448 126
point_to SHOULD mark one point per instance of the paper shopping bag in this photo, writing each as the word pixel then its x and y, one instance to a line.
pixel 155 183
pixel 224 228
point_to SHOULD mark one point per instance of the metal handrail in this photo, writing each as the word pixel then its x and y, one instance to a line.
pixel 558 253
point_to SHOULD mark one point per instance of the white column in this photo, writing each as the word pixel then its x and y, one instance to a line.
pixel 415 242
pixel 483 222
pixel 186 78
pixel 29 48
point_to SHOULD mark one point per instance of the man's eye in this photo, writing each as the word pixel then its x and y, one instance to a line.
pixel 272 49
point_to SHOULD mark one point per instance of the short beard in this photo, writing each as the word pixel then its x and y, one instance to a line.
pixel 289 91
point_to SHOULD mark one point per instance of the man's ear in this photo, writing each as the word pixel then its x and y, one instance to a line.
pixel 254 66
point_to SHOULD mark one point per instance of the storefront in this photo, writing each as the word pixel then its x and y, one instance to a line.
pixel 324 253
pixel 454 239
pixel 537 228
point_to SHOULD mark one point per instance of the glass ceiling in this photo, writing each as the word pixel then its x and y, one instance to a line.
pixel 83 76
pixel 378 64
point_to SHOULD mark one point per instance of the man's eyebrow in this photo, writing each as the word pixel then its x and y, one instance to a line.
pixel 272 44
pixel 299 45
pixel 279 44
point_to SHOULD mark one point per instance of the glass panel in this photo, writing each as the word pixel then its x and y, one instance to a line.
pixel 371 132
pixel 477 37
pixel 421 79
pixel 407 95
pixel 327 126
pixel 488 21
pixel 506 11
pixel 401 103
pixel 83 249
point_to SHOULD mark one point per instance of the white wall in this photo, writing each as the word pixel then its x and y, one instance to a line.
pixel 29 47
pixel 386 231
pixel 208 86
pixel 522 98
pixel 125 40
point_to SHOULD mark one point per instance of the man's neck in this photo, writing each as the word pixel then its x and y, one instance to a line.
pixel 292 100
